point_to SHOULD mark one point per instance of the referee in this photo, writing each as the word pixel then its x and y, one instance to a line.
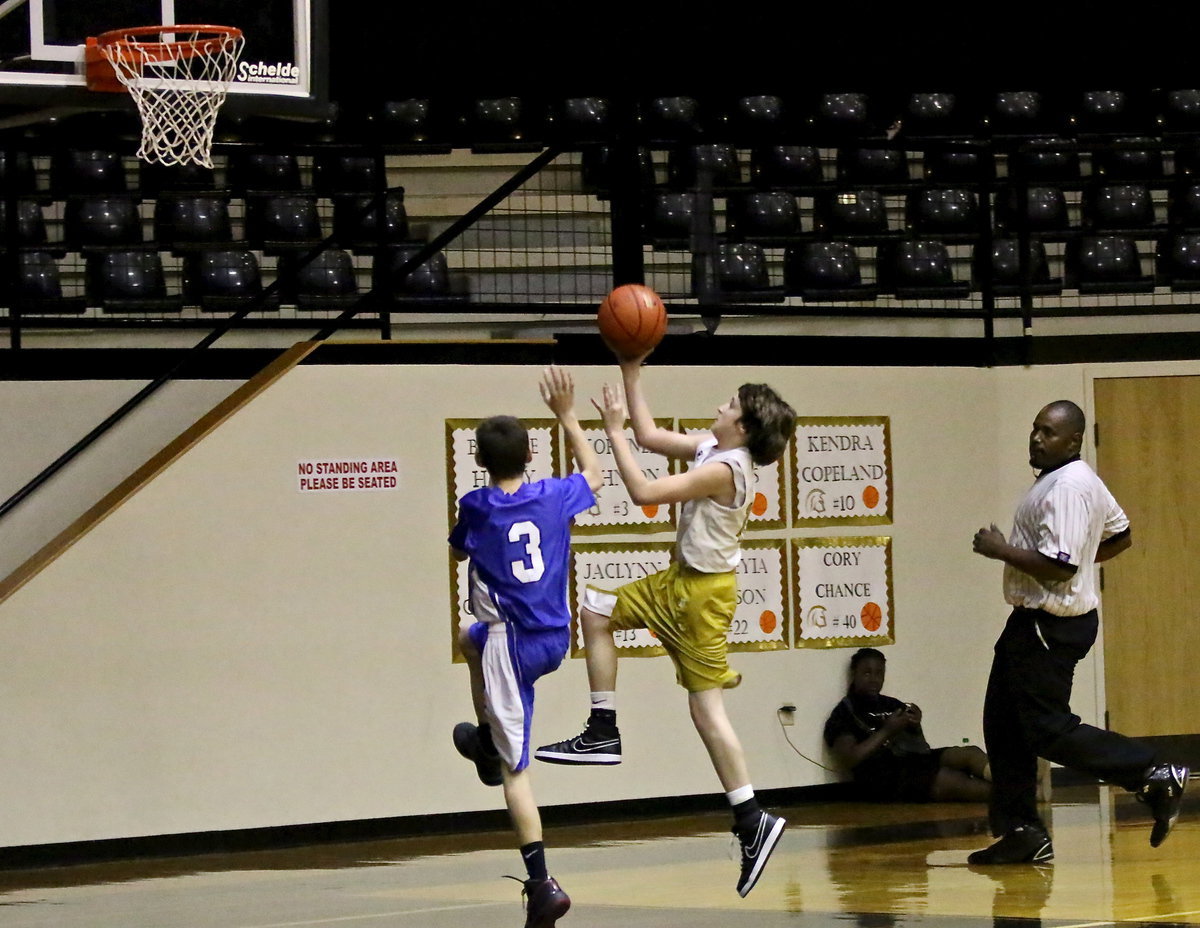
pixel 1067 522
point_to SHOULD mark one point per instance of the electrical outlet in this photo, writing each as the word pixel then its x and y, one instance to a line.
pixel 787 714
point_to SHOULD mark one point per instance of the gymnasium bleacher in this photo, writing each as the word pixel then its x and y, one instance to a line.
pixel 943 207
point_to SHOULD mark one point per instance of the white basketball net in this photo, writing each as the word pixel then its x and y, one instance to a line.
pixel 179 82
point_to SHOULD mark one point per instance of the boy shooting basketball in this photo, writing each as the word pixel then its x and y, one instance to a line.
pixel 689 605
pixel 517 536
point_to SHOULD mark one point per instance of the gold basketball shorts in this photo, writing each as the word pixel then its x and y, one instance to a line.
pixel 688 611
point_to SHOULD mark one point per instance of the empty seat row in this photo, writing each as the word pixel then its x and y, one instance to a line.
pixel 822 115
pixel 768 216
pixel 225 280
pixel 272 222
pixel 800 167
pixel 926 114
pixel 82 172
pixel 924 269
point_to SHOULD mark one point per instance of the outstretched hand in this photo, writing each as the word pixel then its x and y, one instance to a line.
pixel 558 390
pixel 611 408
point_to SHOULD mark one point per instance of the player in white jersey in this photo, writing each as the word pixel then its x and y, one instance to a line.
pixel 689 605
pixel 1066 523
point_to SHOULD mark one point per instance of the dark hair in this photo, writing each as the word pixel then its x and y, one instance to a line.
pixel 503 446
pixel 862 654
pixel 769 422
pixel 1076 420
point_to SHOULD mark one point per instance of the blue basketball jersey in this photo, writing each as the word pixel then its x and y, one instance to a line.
pixel 519 545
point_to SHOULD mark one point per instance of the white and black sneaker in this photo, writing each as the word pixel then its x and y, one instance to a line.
pixel 757 841
pixel 595 745
pixel 1162 791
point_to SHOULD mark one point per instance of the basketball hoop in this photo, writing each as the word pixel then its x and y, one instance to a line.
pixel 177 75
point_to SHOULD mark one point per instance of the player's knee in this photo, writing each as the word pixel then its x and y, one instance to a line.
pixel 594 621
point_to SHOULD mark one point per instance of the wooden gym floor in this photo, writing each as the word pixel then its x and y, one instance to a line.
pixel 838 864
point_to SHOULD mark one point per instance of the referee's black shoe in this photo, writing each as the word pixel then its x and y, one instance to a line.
pixel 1162 791
pixel 1025 844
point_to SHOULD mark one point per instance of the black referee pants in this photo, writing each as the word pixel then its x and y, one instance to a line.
pixel 1027 714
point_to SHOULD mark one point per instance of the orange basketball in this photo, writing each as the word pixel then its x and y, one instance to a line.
pixel 632 320
pixel 871 617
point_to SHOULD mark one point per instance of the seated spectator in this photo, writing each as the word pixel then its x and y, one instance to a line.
pixel 879 740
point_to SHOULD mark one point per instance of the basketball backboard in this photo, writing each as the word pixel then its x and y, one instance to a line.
pixel 282 68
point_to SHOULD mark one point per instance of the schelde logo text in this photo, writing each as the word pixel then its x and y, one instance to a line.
pixel 259 72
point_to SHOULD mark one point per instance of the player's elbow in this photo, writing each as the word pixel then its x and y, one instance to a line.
pixel 643 495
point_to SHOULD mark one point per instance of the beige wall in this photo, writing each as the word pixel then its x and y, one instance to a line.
pixel 224 652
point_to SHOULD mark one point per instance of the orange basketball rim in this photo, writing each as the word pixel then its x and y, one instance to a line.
pixel 133 47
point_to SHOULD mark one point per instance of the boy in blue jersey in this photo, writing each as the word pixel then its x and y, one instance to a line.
pixel 517 536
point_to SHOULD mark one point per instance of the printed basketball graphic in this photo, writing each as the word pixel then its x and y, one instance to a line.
pixel 651 511
pixel 767 621
pixel 759 506
pixel 871 617
pixel 870 497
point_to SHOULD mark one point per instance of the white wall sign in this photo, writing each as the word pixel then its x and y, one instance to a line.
pixel 843 471
pixel 614 509
pixel 759 623
pixel 347 475
pixel 844 591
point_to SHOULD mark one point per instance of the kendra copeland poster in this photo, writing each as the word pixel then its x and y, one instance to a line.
pixel 843 471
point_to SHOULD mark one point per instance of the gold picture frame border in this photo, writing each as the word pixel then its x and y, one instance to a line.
pixel 885 518
pixel 844 541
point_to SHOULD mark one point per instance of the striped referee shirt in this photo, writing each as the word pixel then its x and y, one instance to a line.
pixel 1065 515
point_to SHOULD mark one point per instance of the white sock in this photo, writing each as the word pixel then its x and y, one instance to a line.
pixel 604 699
pixel 741 794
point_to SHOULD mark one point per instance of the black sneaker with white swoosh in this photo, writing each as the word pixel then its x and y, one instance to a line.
pixel 593 745
pixel 757 841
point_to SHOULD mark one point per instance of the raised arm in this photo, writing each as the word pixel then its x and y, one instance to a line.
pixel 558 392
pixel 646 431
pixel 712 479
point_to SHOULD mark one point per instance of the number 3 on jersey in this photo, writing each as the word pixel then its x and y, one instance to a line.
pixel 531 572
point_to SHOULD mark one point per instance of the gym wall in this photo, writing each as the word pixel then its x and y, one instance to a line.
pixel 223 651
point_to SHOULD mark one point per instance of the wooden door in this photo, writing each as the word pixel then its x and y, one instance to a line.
pixel 1148 452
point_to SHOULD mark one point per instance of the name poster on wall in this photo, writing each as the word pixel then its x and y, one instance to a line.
pixel 761 618
pixel 614 510
pixel 843 471
pixel 463 474
pixel 766 509
pixel 844 592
